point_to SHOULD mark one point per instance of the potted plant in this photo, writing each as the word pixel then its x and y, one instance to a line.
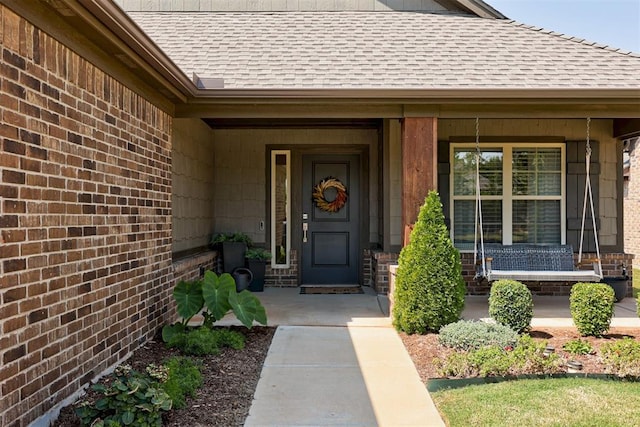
pixel 257 259
pixel 232 246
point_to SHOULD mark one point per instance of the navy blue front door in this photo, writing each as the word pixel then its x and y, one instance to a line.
pixel 330 244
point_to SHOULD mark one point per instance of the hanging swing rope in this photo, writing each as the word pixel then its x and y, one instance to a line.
pixel 478 229
pixel 508 258
pixel 589 194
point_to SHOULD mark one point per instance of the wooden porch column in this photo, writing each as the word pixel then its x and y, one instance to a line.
pixel 419 166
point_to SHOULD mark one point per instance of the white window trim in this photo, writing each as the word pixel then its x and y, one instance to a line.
pixel 507 186
pixel 287 154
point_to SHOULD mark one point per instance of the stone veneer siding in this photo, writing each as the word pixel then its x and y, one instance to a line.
pixel 85 221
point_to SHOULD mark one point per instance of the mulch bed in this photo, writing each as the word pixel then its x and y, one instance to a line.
pixel 423 349
pixel 230 380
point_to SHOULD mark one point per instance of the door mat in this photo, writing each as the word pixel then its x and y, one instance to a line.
pixel 318 290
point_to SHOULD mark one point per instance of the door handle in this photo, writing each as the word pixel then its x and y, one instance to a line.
pixel 305 228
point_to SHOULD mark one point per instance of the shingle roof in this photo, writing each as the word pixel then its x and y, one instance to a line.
pixel 382 50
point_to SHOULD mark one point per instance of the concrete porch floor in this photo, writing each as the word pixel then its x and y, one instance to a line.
pixel 287 307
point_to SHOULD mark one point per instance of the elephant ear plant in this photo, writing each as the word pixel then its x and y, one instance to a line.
pixel 214 296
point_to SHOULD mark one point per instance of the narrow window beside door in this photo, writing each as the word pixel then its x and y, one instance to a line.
pixel 280 208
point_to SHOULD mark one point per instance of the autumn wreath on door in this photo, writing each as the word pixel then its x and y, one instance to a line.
pixel 322 194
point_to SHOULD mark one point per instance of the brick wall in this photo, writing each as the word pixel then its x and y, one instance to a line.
pixel 611 266
pixel 380 267
pixel 85 221
pixel 283 277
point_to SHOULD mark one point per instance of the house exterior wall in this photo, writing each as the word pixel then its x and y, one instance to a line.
pixel 632 201
pixel 395 188
pixel 85 221
pixel 240 158
pixel 193 183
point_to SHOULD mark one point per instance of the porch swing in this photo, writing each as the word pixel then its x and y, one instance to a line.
pixel 529 262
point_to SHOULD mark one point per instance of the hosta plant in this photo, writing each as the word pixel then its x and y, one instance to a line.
pixel 129 398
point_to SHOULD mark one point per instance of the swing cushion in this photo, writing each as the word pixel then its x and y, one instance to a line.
pixel 534 263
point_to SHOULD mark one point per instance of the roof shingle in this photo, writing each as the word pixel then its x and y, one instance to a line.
pixel 382 50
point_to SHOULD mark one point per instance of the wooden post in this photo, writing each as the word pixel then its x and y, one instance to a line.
pixel 419 164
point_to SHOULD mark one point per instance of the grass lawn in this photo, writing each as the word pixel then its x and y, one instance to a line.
pixel 636 282
pixel 548 402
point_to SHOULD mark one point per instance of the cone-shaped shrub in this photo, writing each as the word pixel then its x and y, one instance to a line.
pixel 429 288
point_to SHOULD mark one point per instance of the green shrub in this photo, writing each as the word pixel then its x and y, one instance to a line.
pixel 511 304
pixel 129 398
pixel 578 347
pixel 622 357
pixel 429 288
pixel 183 380
pixel 472 335
pixel 591 307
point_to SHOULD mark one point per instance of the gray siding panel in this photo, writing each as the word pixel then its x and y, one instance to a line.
pixel 576 153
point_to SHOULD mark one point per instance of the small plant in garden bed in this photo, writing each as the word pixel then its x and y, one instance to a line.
pixel 129 398
pixel 622 358
pixel 216 295
pixel 526 357
pixel 203 341
pixel 473 335
pixel 578 347
pixel 183 379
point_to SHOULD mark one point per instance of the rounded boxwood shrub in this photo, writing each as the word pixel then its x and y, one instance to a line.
pixel 511 304
pixel 429 288
pixel 591 307
pixel 473 335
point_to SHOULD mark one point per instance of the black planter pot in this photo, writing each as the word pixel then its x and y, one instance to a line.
pixel 258 268
pixel 233 255
pixel 620 286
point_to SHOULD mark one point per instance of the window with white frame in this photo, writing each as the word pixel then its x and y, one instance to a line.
pixel 522 189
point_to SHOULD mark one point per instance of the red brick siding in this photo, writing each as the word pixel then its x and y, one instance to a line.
pixel 85 221
pixel 611 266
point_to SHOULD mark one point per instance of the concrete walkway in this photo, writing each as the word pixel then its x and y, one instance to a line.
pixel 336 360
pixel 340 376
